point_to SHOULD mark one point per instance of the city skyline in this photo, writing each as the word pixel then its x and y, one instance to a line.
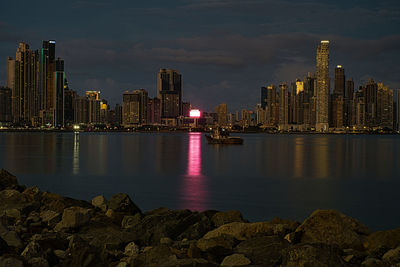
pixel 235 51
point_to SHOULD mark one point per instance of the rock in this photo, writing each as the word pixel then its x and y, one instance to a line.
pixel 12 196
pixel 7 180
pixel 100 202
pixel 131 221
pixel 176 225
pixel 32 250
pixel 11 261
pixel 188 263
pixel 51 218
pixel 73 217
pixel 333 228
pixel 3 246
pixel 80 253
pixel 38 262
pixel 235 260
pixel 379 242
pixel 312 255
pixel 12 239
pixel 32 193
pixel 166 241
pixel 219 246
pixel 57 203
pixel 131 250
pixel 193 251
pixel 354 257
pixel 221 218
pixel 372 262
pixel 154 256
pixel 294 237
pixel 392 256
pixel 122 203
pixel 242 231
pixel 60 254
pixel 122 264
pixel 263 250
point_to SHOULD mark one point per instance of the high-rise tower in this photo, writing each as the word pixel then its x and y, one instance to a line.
pixel 169 91
pixel 323 85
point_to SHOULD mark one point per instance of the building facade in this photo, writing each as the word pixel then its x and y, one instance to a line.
pixel 323 87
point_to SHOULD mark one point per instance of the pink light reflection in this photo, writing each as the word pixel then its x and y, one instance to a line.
pixel 194 192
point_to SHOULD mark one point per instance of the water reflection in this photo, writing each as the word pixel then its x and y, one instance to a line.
pixel 75 159
pixel 194 190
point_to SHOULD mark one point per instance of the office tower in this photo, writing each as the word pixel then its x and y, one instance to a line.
pixel 118 114
pixel 370 94
pixel 154 111
pixel 339 87
pixel 271 107
pixel 322 94
pixel 338 112
pixel 222 112
pixel 104 110
pixel 398 109
pixel 5 104
pixel 348 103
pixel 69 98
pixel 384 107
pixel 81 110
pixel 186 107
pixel 59 87
pixel 93 106
pixel 359 108
pixel 283 106
pixel 261 116
pixel 245 118
pixel 11 72
pixel 299 102
pixel 264 97
pixel 169 91
pixel 309 104
pixel 134 107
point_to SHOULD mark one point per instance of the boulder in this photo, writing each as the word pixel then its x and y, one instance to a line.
pixel 263 250
pixel 219 246
pixel 131 250
pixel 32 250
pixel 3 246
pixel 57 203
pixel 122 203
pixel 131 221
pixel 235 260
pixel 242 231
pixel 312 255
pixel 372 262
pixel 7 180
pixel 8 261
pixel 32 193
pixel 12 239
pixel 188 263
pixel 154 256
pixel 100 202
pixel 379 242
pixel 50 217
pixel 38 262
pixel 392 257
pixel 333 228
pixel 73 217
pixel 221 218
pixel 12 196
pixel 177 225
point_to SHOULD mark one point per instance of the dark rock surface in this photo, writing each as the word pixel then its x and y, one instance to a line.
pixel 45 229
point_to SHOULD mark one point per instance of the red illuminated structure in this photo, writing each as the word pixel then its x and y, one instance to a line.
pixel 194 113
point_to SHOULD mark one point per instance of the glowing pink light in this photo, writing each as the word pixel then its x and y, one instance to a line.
pixel 194 113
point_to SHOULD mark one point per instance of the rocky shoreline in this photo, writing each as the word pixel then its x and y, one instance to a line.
pixel 45 229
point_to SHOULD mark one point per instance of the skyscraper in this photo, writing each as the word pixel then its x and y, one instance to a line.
pixel 169 91
pixel 59 85
pixel 5 104
pixel 134 107
pixel 322 73
pixel 283 106
pixel 338 111
pixel 339 81
pixel 222 112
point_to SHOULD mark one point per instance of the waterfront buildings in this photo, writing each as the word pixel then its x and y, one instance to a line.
pixel 169 91
pixel 5 105
pixel 323 87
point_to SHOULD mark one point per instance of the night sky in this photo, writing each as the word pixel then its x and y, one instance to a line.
pixel 224 49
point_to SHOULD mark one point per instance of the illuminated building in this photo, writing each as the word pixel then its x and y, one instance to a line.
pixel 348 103
pixel 339 81
pixel 169 91
pixel 186 107
pixel 222 114
pixel 134 108
pixel 283 106
pixel 154 111
pixel 93 106
pixel 5 104
pixel 69 97
pixel 384 107
pixel 370 94
pixel 322 90
pixel 59 81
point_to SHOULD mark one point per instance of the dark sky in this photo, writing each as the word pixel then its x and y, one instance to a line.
pixel 224 49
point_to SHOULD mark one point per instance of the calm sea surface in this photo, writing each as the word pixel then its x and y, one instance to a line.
pixel 270 175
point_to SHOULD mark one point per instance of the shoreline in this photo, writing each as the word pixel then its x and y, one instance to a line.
pixel 45 229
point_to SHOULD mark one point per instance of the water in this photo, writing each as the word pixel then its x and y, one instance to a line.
pixel 270 175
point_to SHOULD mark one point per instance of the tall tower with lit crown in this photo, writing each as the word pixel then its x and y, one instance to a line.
pixel 323 86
